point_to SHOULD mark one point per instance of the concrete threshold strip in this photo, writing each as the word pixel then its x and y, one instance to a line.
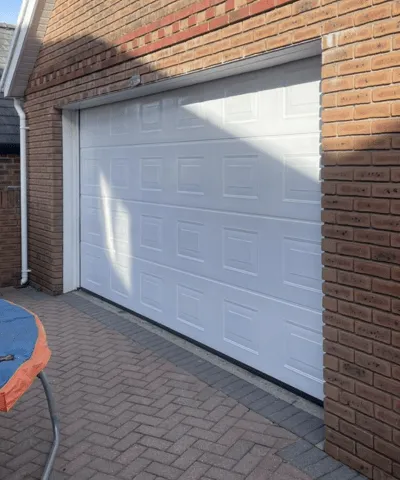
pixel 284 408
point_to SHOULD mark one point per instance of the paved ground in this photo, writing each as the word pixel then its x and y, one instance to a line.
pixel 135 406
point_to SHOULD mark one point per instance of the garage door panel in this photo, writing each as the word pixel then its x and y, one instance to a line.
pixel 298 347
pixel 229 249
pixel 219 246
pixel 302 263
pixel 95 269
pixel 200 209
pixel 295 258
pixel 304 360
pixel 95 165
pixel 108 223
pixel 262 332
pixel 271 177
pixel 91 217
pixel 241 106
pixel 255 330
pixel 260 177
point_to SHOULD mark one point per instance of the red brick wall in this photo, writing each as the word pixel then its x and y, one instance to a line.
pixel 92 50
pixel 10 245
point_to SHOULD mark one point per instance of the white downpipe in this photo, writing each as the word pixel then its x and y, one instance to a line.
pixel 19 106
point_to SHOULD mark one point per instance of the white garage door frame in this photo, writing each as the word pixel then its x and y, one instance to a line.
pixel 71 148
pixel 284 366
pixel 71 137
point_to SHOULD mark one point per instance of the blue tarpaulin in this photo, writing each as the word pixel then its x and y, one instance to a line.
pixel 18 336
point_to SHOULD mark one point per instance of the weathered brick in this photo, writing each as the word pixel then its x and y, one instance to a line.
pixel 347 6
pixel 331 420
pixel 353 158
pixel 371 205
pixel 386 287
pixel 340 321
pixel 331 391
pixel 372 110
pixel 386 93
pixel 373 457
pixel 387 416
pixel 386 448
pixel 385 61
pixel 373 331
pixel 373 394
pixel 355 371
pixel 339 380
pixel 354 280
pixel 354 249
pixel 340 410
pixel 357 403
pixel 355 311
pixel 374 269
pixel 386 320
pixel 354 189
pixel 331 362
pixel 387 384
pixel 383 254
pixel 330 333
pixel 370 362
pixel 338 291
pixel 337 203
pixel 372 236
pixel 337 232
pixel 372 300
pixel 340 440
pixel 354 66
pixel 354 97
pixel 358 464
pixel 356 433
pixel 353 219
pixel 334 348
pixel 380 77
pixel 388 353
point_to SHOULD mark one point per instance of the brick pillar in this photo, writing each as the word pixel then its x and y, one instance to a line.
pixel 361 175
pixel 45 198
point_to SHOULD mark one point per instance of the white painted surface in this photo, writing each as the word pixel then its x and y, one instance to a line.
pixel 200 209
pixel 71 203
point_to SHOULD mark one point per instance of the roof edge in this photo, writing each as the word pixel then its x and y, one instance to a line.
pixel 25 28
pixel 7 26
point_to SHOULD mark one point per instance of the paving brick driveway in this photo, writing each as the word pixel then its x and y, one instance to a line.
pixel 129 413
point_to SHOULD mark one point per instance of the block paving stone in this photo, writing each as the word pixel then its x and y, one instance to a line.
pixel 133 405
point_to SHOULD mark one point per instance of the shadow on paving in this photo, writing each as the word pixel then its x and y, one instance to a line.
pixel 133 405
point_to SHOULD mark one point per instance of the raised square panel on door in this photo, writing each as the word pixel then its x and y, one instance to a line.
pixel 191 240
pixel 240 250
pixel 241 176
pixel 241 326
pixel 151 173
pixel 190 306
pixel 191 175
pixel 201 211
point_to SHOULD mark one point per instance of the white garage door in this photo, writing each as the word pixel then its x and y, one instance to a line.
pixel 200 209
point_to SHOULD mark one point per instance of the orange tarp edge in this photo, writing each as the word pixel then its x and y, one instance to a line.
pixel 25 375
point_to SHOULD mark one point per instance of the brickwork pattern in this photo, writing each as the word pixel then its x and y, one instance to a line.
pixel 10 258
pixel 128 410
pixel 361 147
pixel 9 171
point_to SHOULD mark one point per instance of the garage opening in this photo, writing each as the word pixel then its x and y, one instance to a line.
pixel 200 209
